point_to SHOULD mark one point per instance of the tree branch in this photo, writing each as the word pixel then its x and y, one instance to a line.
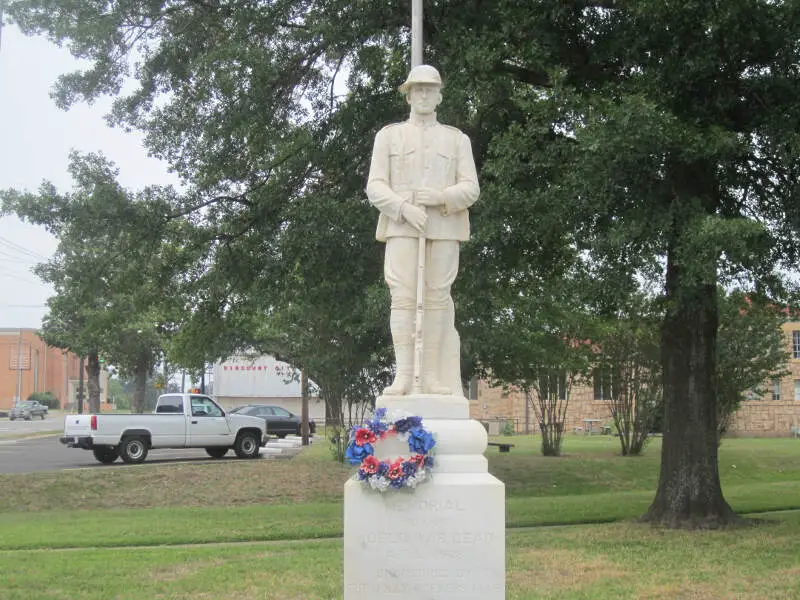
pixel 235 199
pixel 538 78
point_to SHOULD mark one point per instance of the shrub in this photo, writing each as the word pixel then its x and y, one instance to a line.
pixel 46 398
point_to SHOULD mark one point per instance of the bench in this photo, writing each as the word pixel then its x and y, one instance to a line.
pixel 502 447
pixel 796 432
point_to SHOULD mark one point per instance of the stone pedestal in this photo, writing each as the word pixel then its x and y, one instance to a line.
pixel 444 540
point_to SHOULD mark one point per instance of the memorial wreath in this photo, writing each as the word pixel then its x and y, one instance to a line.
pixel 400 473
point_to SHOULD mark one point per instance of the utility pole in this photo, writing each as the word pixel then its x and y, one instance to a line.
pixel 19 346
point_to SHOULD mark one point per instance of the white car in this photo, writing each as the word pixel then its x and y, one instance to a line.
pixel 178 421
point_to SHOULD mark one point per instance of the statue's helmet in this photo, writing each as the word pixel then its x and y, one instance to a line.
pixel 421 74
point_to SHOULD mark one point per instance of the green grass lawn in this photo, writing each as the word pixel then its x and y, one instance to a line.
pixel 270 529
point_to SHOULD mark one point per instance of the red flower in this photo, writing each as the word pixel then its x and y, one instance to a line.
pixel 370 465
pixel 364 436
pixel 417 459
pixel 396 469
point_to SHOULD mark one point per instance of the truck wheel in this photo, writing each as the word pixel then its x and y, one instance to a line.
pixel 105 454
pixel 11 418
pixel 42 416
pixel 133 449
pixel 216 452
pixel 246 445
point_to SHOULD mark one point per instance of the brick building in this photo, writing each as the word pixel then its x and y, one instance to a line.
pixel 29 365
pixel 772 415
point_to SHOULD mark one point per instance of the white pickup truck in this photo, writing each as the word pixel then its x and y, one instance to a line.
pixel 178 421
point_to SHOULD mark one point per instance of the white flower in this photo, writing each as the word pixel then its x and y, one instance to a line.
pixel 379 483
pixel 411 481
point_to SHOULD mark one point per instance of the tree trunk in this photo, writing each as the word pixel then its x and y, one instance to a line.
pixel 93 380
pixel 140 388
pixel 689 494
pixel 304 407
pixel 80 385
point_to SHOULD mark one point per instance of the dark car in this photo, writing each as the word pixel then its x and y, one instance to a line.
pixel 280 421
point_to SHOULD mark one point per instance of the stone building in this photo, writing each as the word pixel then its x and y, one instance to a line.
pixel 775 414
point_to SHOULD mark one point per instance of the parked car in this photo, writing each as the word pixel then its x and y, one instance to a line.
pixel 178 421
pixel 279 421
pixel 27 410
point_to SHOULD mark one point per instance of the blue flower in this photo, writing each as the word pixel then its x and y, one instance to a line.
pixel 355 453
pixel 409 468
pixel 420 441
pixel 428 461
pixel 407 424
pixel 377 425
pixel 383 469
pixel 398 483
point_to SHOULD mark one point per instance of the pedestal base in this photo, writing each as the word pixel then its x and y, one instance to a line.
pixel 444 540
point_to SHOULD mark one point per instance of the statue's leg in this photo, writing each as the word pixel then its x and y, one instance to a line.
pixel 441 270
pixel 400 272
pixel 402 326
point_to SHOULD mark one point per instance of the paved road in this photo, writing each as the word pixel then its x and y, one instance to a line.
pixel 17 427
pixel 48 454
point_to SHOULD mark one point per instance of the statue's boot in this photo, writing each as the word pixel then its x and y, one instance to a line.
pixel 435 325
pixel 401 323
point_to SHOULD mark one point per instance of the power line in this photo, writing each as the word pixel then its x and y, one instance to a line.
pixel 7 257
pixel 21 249
pixel 23 305
pixel 19 277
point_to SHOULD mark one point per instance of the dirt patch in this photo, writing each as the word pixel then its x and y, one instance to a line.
pixel 181 571
pixel 559 569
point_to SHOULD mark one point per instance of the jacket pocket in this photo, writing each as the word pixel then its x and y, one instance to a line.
pixel 401 165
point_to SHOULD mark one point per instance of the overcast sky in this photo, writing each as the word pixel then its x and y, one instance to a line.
pixel 35 140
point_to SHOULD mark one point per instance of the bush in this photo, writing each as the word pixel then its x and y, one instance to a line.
pixel 507 428
pixel 46 398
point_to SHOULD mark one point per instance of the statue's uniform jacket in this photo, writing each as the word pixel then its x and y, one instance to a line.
pixel 407 157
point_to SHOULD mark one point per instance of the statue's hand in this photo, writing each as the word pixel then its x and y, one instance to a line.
pixel 429 197
pixel 415 216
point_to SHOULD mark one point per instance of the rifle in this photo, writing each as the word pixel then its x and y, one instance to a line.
pixel 416 387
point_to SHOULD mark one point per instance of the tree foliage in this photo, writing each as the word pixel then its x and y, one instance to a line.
pixel 608 132
pixel 751 351
pixel 113 263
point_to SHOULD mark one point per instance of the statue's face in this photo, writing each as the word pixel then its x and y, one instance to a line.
pixel 424 98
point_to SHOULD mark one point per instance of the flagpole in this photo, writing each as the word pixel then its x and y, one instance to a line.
pixel 416 33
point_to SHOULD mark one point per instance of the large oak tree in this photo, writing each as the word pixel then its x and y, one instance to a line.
pixel 616 132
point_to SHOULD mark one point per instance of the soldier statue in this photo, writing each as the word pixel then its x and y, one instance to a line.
pixel 422 179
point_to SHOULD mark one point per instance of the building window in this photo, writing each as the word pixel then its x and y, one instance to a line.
pixel 603 390
pixel 553 386
pixel 797 389
pixel 776 390
pixel 796 344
